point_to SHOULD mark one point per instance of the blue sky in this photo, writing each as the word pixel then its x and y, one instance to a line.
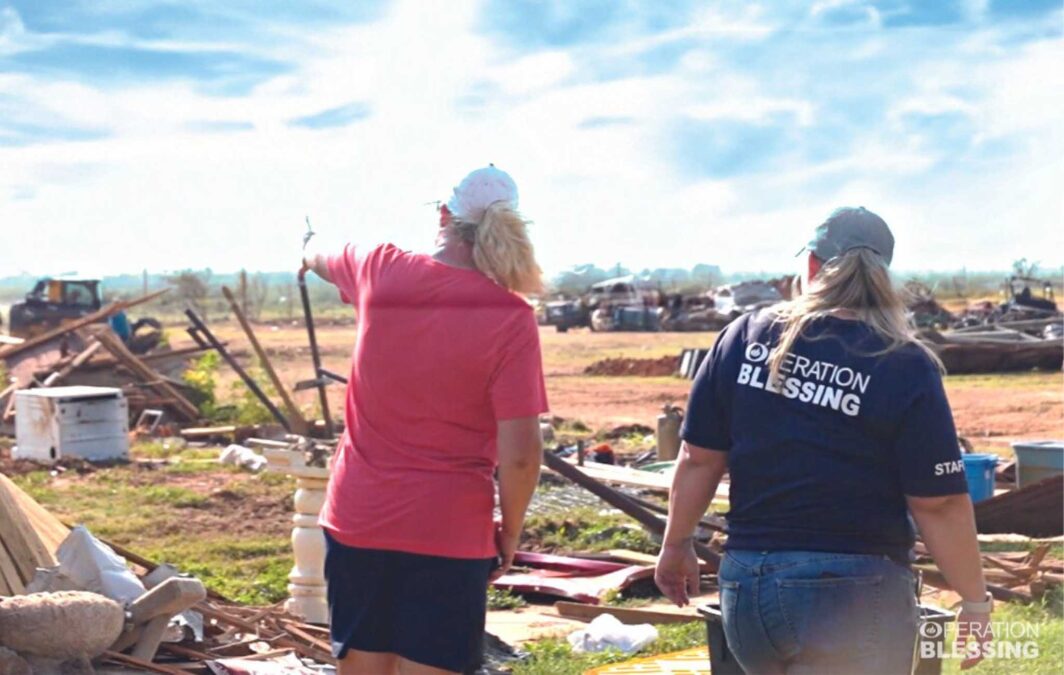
pixel 659 134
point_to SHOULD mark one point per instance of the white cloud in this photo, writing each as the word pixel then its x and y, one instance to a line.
pixel 445 99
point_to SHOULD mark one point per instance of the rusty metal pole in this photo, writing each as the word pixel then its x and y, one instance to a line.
pixel 314 354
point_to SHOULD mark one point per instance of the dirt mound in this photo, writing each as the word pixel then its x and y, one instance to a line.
pixel 666 365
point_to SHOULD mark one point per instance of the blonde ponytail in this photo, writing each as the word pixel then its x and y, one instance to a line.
pixel 502 249
pixel 857 281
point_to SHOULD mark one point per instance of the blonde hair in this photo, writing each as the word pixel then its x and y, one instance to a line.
pixel 502 249
pixel 857 281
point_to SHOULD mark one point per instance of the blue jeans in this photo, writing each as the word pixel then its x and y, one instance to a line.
pixel 814 613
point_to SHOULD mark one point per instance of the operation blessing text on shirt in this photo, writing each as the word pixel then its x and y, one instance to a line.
pixel 818 382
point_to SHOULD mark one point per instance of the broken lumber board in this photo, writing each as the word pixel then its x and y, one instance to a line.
pixel 17 535
pixel 10 581
pixel 623 503
pixel 127 660
pixel 294 628
pixel 211 612
pixel 623 475
pixel 295 417
pixel 129 360
pixel 626 615
pixel 75 363
pixel 50 529
pixel 225 430
pixel 933 577
pixel 98 315
pixel 1033 510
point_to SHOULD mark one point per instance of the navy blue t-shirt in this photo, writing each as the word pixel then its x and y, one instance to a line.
pixel 822 461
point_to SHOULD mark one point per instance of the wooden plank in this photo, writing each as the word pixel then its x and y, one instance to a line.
pixel 295 417
pixel 10 582
pixel 263 656
pixel 146 374
pixel 294 629
pixel 223 617
pixel 126 659
pixel 50 529
pixel 25 547
pixel 81 322
pixel 75 363
pixel 633 557
pixel 626 615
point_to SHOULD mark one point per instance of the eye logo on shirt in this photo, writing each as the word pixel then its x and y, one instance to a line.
pixel 756 352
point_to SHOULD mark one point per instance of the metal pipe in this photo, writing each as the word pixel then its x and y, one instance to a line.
pixel 251 384
pixel 314 354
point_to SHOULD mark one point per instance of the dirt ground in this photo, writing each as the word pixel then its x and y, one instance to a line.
pixel 991 410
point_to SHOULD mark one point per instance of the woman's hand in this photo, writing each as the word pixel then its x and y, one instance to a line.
pixel 677 572
pixel 507 545
pixel 973 628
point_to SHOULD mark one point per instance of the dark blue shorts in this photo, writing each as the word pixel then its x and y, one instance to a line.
pixel 427 609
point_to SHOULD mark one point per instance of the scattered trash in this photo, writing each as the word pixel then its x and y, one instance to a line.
pixel 94 566
pixel 238 455
pixel 606 632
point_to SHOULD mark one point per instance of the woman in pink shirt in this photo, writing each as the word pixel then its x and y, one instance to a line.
pixel 446 388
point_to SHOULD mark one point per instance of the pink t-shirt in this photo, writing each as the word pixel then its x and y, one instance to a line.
pixel 442 354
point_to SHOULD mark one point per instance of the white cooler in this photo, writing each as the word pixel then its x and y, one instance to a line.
pixel 87 422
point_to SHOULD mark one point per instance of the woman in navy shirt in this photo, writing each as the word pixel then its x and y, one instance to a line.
pixel 834 425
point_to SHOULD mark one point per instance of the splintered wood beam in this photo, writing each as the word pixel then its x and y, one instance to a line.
pixel 130 361
pixel 295 417
pixel 84 355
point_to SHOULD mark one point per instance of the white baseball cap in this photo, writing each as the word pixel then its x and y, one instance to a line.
pixel 479 190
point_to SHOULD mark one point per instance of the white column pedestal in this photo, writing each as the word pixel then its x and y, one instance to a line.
pixel 306 586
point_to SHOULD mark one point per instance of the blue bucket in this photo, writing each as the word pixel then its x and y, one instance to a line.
pixel 979 470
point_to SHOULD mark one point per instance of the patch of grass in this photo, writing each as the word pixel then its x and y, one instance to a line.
pixel 1056 550
pixel 586 530
pixel 253 572
pixel 554 656
pixel 147 512
pixel 1040 623
pixel 504 599
pixel 177 497
pixel 616 598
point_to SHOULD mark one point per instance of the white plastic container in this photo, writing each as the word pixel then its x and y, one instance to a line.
pixel 87 422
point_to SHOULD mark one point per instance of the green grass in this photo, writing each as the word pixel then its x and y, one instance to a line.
pixel 504 599
pixel 587 530
pixel 250 571
pixel 179 513
pixel 1040 623
pixel 554 656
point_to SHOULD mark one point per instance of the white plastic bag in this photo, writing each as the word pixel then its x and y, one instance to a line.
pixel 240 456
pixel 607 631
pixel 93 566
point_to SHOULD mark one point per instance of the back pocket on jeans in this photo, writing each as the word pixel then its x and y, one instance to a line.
pixel 729 605
pixel 835 618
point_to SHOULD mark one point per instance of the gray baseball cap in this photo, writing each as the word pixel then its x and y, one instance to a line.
pixel 849 228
